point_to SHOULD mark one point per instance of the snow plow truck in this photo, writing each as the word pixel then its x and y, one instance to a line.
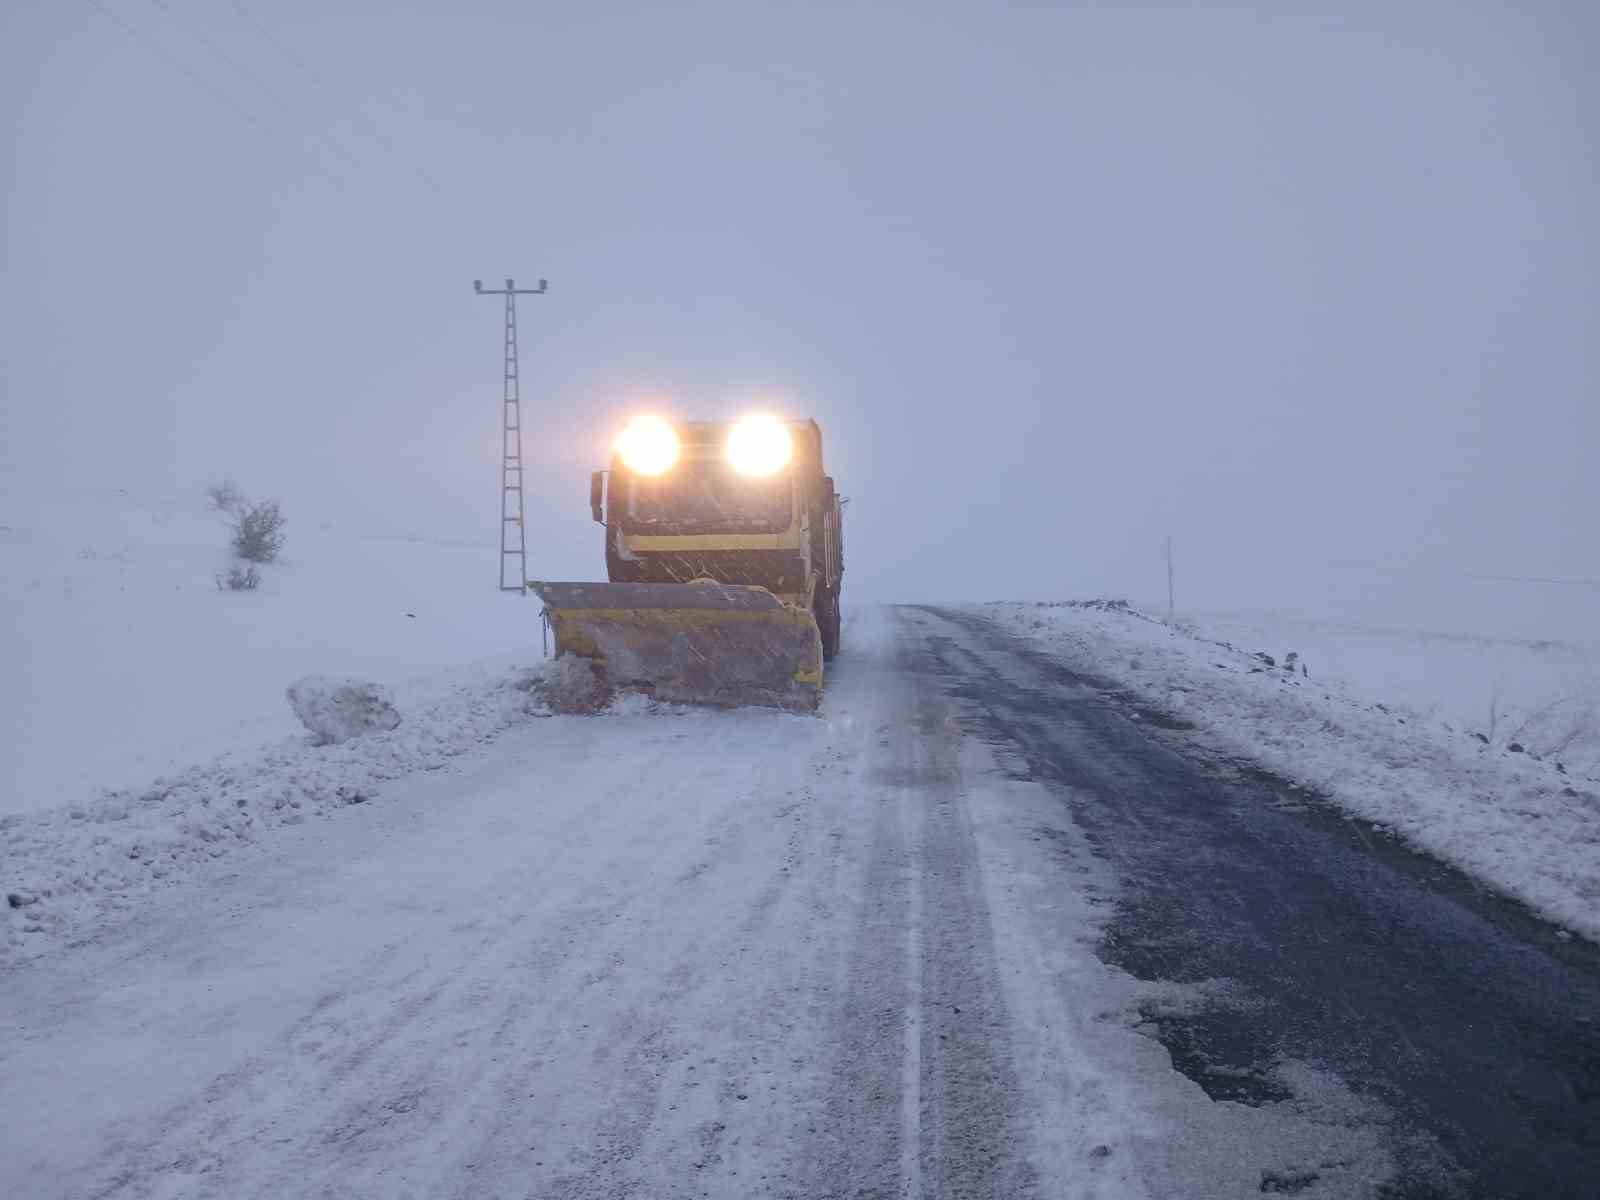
pixel 724 556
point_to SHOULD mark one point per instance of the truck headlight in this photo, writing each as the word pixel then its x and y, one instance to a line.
pixel 648 446
pixel 758 445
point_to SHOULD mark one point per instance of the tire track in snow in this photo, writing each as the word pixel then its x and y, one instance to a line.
pixel 911 1184
pixel 974 1142
pixel 405 1049
pixel 922 1100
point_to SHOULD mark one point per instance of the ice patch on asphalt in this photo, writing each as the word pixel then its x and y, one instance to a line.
pixel 1113 1115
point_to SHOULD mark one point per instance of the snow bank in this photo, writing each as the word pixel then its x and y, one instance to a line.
pixel 1526 825
pixel 68 869
pixel 65 869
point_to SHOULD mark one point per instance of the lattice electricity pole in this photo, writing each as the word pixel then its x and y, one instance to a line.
pixel 511 512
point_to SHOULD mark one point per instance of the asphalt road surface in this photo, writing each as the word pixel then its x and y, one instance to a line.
pixel 1477 1026
pixel 985 929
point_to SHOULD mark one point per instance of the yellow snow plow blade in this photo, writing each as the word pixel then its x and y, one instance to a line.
pixel 691 643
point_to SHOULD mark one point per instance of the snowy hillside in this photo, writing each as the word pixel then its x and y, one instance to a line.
pixel 125 661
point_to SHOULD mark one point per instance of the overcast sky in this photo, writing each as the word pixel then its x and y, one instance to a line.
pixel 1310 287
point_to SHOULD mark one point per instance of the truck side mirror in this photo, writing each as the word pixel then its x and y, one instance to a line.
pixel 597 483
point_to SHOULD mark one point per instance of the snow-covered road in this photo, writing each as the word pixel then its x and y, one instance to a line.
pixel 721 955
pixel 639 956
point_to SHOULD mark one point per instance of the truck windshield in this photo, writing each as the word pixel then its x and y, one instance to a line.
pixel 707 497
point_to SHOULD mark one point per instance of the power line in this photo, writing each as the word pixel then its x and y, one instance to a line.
pixel 273 40
pixel 183 68
pixel 1446 573
pixel 216 48
pixel 226 99
pixel 365 124
pixel 220 95
pixel 1594 583
pixel 284 106
pixel 369 127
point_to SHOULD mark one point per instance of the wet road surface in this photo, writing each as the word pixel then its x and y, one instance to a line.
pixel 1470 1020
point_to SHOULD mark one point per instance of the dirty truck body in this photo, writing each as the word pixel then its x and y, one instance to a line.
pixel 722 585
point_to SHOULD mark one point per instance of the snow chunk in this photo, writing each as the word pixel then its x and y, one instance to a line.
pixel 637 704
pixel 336 710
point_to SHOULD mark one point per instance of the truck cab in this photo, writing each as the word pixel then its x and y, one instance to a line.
pixel 704 506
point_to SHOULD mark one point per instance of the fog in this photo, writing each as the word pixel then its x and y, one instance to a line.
pixel 1309 288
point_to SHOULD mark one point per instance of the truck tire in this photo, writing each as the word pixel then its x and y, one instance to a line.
pixel 827 614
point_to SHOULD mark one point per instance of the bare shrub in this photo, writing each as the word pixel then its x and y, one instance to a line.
pixel 225 496
pixel 241 577
pixel 258 532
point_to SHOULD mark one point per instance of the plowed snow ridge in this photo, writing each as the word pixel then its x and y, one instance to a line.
pixel 64 870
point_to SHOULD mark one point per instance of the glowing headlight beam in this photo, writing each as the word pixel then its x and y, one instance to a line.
pixel 758 445
pixel 648 446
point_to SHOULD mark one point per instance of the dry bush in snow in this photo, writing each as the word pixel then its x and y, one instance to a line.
pixel 241 577
pixel 225 496
pixel 258 531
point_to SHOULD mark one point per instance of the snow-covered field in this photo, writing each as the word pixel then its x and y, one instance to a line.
pixel 1482 752
pixel 124 662
pixel 1543 695
pixel 144 725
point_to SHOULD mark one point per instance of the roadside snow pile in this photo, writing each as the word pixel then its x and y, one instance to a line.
pixel 1526 825
pixel 336 710
pixel 567 684
pixel 571 685
pixel 62 870
pixel 1096 605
